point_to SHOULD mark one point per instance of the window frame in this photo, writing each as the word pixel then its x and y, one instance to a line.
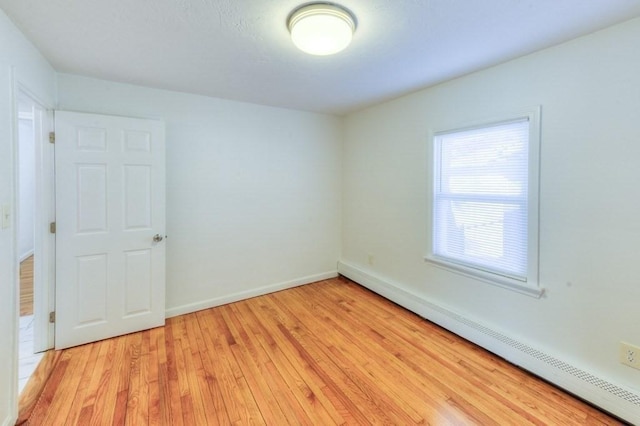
pixel 530 285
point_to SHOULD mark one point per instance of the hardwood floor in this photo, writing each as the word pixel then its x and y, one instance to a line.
pixel 34 387
pixel 322 354
pixel 26 286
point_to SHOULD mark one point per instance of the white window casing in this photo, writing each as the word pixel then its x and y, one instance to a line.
pixel 484 200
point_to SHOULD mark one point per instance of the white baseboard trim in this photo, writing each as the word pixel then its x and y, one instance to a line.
pixel 223 300
pixel 26 255
pixel 616 399
pixel 9 420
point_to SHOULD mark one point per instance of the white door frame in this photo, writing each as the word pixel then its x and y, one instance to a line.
pixel 44 242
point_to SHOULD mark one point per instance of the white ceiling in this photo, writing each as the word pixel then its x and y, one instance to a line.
pixel 240 49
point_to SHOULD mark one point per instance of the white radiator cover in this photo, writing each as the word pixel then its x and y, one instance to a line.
pixel 616 399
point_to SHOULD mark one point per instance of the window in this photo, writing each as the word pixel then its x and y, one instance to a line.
pixel 485 201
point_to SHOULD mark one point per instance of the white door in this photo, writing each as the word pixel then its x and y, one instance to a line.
pixel 110 223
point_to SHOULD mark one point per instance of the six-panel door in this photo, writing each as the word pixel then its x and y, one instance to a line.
pixel 110 203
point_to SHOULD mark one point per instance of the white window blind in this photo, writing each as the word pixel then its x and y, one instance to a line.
pixel 480 198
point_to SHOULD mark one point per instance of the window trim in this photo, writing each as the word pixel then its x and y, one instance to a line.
pixel 530 286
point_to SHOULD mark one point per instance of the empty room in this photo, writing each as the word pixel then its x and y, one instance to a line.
pixel 288 212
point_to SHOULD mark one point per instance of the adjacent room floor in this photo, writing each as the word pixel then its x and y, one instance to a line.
pixel 28 361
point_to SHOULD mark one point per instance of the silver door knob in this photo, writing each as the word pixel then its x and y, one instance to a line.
pixel 157 238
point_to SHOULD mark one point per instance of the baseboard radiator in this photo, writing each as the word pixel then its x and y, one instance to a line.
pixel 619 401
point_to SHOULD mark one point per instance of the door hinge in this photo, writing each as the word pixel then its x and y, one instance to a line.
pixel 52 137
pixel 52 317
pixel 52 228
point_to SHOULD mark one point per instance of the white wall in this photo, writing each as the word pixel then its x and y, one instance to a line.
pixel 589 90
pixel 26 187
pixel 34 73
pixel 253 192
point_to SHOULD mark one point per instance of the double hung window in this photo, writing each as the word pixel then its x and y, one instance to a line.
pixel 485 201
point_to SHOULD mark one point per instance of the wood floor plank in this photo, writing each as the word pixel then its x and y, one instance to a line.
pixel 372 374
pixel 93 385
pixel 261 380
pixel 181 344
pixel 474 392
pixel 475 389
pixel 215 413
pixel 229 401
pixel 57 378
pixel 470 362
pixel 26 286
pixel 87 372
pixel 326 353
pixel 358 372
pixel 310 395
pixel 172 377
pixel 337 377
pixel 307 367
pixel 166 414
pixel 376 374
pixel 34 387
pixel 61 407
pixel 477 386
pixel 129 358
pixel 136 414
pixel 306 407
pixel 105 403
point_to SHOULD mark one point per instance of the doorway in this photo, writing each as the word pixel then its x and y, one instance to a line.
pixel 35 247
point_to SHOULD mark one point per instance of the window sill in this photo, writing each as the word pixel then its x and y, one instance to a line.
pixel 487 277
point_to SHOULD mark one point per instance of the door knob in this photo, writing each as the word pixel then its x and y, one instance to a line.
pixel 157 238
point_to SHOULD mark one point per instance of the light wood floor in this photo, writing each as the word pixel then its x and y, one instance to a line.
pixel 321 354
pixel 26 286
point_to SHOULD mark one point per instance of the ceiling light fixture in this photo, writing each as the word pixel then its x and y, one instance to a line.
pixel 321 28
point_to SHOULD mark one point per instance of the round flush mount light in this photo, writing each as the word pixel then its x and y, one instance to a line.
pixel 321 28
